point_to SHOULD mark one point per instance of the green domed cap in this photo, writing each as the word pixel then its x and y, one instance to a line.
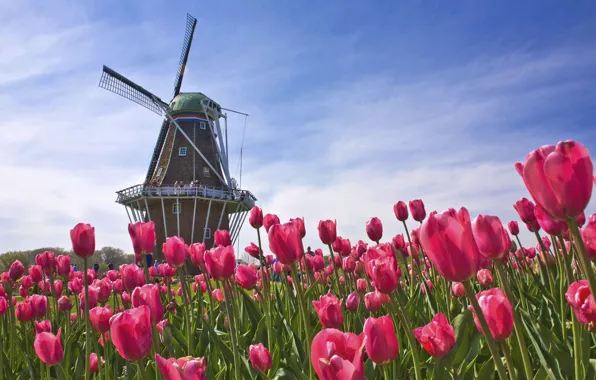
pixel 191 102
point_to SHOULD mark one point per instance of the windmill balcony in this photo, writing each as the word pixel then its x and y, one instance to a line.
pixel 169 191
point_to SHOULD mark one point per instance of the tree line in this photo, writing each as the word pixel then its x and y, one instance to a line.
pixel 103 257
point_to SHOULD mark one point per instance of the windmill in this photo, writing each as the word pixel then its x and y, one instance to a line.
pixel 188 191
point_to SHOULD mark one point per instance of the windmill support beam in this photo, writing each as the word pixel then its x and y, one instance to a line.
pixel 147 208
pixel 178 210
pixel 223 210
pixel 236 232
pixel 129 218
pixel 165 224
pixel 194 217
pixel 207 221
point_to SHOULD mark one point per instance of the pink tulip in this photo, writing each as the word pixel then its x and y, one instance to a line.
pixel 458 290
pixel 16 270
pixel 143 237
pixel 588 233
pixel 380 339
pixel 197 255
pixel 187 368
pixel 131 333
pixel 437 337
pixel 581 300
pixel 417 210
pixel 550 225
pixel 336 355
pixel 327 231
pixel 222 237
pixel 372 301
pixel 83 240
pixel 148 295
pixel 560 179
pixel 490 235
pixel 374 229
pixel 64 303
pixel 43 326
pixel 513 228
pixel 400 209
pixel 246 276
pixel 48 347
pixel 449 244
pixel 328 308
pixel 498 313
pixel 255 217
pixel 252 250
pixel 175 251
pixel 286 243
pixel 269 220
pixel 220 262
pixel 63 265
pixel 485 278
pixel 39 305
pixel 353 301
pixel 259 357
pixel 93 363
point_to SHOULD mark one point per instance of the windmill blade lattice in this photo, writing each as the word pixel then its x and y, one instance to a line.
pixel 118 84
pixel 191 24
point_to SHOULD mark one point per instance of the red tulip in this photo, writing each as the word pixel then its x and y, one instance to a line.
pixel 374 229
pixel 131 276
pixel 269 220
pixel 361 285
pixel 223 238
pixel 380 339
pixel 220 262
pixel 218 295
pixel 490 235
pixel 48 347
pixel 449 244
pixel 327 231
pixel 131 333
pixel 285 242
pixel 328 308
pixel 187 368
pixel 83 240
pixel 35 272
pixel 353 301
pixel 93 363
pixel 589 237
pixel 401 211
pixel 64 303
pixel 385 274
pixel 417 210
pixel 255 217
pixel 485 278
pixel 581 300
pixel 560 179
pixel 47 262
pixel 299 222
pixel 513 227
pixel 550 225
pixel 16 270
pixel 100 318
pixel 437 337
pixel 259 357
pixel 336 355
pixel 175 251
pixel 498 313
pixel 143 237
pixel 148 295
pixel 246 276
pixel 63 265
pixel 23 311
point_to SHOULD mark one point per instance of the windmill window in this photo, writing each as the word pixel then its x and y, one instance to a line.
pixel 159 171
pixel 207 234
pixel 203 125
pixel 206 172
pixel 182 151
pixel 176 208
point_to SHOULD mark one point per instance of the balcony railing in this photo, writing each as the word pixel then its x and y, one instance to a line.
pixel 138 191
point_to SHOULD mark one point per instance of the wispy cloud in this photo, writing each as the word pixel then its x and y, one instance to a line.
pixel 340 126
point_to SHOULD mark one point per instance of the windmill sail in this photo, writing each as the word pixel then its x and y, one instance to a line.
pixel 118 84
pixel 191 24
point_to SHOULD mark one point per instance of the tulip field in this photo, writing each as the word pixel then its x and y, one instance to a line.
pixel 457 297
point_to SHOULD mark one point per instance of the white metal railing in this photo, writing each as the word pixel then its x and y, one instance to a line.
pixel 138 191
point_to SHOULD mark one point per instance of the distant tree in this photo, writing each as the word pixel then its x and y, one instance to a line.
pixel 6 259
pixel 114 256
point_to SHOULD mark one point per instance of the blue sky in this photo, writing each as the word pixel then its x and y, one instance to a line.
pixel 353 106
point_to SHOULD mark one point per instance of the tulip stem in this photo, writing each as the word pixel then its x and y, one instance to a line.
pixel 582 256
pixel 185 306
pixel 492 345
pixel 265 282
pixel 87 333
pixel 305 315
pixel 410 336
pixel 142 370
pixel 516 325
pixel 235 348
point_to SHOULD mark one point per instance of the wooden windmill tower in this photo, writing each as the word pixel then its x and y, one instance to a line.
pixel 188 190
